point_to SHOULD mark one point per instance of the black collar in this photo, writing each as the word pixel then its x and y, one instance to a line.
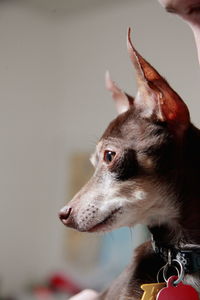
pixel 189 257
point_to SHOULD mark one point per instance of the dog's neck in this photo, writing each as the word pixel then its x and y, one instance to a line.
pixel 189 187
pixel 187 190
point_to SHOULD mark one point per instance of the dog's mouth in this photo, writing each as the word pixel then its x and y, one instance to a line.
pixel 105 225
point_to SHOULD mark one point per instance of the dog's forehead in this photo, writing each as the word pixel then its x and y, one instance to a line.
pixel 129 131
pixel 123 125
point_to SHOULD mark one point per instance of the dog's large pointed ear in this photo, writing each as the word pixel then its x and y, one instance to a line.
pixel 122 100
pixel 155 98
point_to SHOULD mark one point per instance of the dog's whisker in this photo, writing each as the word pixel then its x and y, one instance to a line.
pixel 131 233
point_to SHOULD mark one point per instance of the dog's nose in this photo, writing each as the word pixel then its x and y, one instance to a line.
pixel 64 214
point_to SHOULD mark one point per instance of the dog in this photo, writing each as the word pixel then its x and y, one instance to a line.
pixel 147 171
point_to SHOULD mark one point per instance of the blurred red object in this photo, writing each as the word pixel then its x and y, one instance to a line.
pixel 63 283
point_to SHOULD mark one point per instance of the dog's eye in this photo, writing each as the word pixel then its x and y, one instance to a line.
pixel 108 156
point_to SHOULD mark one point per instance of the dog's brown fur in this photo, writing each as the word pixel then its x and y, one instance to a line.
pixel 147 171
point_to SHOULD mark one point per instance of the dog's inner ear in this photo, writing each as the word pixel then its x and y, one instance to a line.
pixel 122 100
pixel 155 98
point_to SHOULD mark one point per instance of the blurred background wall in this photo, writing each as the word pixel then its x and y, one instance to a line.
pixel 53 56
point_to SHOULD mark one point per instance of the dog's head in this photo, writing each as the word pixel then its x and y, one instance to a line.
pixel 136 159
